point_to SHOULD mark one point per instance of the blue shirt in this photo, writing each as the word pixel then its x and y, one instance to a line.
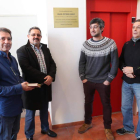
pixel 10 86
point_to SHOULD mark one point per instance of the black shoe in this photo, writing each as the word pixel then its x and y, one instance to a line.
pixel 138 138
pixel 29 138
pixel 122 131
pixel 49 133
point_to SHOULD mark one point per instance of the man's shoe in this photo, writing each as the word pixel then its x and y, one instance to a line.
pixel 138 138
pixel 109 134
pixel 122 131
pixel 49 133
pixel 29 138
pixel 84 128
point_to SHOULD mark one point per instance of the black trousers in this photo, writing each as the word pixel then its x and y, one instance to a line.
pixel 104 92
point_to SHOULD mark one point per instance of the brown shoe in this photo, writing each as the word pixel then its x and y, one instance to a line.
pixel 109 134
pixel 84 128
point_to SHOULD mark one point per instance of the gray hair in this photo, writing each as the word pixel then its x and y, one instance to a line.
pixel 138 20
pixel 3 29
pixel 34 28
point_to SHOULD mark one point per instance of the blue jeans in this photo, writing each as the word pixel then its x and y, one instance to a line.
pixel 30 121
pixel 9 127
pixel 128 92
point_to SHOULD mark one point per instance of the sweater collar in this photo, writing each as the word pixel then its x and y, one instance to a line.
pixel 98 40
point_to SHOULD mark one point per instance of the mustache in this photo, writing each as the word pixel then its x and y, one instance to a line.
pixel 36 39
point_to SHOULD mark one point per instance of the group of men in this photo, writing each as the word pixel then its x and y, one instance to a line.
pixel 37 66
pixel 95 72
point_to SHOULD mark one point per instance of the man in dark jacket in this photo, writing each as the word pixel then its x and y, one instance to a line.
pixel 11 88
pixel 130 66
pixel 37 66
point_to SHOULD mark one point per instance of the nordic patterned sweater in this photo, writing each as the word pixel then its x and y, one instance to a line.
pixel 99 60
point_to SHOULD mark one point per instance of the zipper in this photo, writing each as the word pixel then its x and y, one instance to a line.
pixel 134 44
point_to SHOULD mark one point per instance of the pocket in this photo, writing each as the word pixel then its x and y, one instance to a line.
pixel 0 124
pixel 106 88
pixel 85 82
pixel 106 85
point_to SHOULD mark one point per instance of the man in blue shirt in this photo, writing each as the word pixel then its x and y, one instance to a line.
pixel 11 88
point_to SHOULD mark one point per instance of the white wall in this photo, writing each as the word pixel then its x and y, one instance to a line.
pixel 27 7
pixel 138 10
pixel 65 45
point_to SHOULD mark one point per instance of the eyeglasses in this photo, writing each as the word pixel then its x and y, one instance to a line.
pixel 137 27
pixel 93 27
pixel 38 35
pixel 4 38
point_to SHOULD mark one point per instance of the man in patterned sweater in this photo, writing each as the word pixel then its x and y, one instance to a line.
pixel 96 73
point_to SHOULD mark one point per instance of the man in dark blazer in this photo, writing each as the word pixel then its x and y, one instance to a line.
pixel 37 66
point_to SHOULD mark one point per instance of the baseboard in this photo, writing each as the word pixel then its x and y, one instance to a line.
pixel 67 124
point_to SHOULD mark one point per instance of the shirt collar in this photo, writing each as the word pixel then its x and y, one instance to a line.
pixel 97 40
pixel 135 40
pixel 4 54
pixel 33 46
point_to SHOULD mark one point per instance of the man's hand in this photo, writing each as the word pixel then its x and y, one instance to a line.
pixel 130 75
pixel 84 81
pixel 127 70
pixel 106 83
pixel 25 86
pixel 48 79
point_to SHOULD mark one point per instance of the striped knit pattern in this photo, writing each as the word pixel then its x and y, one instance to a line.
pixel 95 60
pixel 97 49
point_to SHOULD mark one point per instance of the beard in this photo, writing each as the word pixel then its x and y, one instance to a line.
pixel 96 35
pixel 36 43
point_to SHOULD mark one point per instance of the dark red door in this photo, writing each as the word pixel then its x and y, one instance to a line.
pixel 117 16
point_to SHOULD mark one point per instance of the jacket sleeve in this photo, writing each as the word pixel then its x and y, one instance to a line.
pixel 27 68
pixel 114 63
pixel 82 65
pixel 136 70
pixel 121 59
pixel 11 90
pixel 52 69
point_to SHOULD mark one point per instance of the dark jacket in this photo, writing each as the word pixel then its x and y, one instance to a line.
pixel 34 99
pixel 130 56
pixel 10 86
